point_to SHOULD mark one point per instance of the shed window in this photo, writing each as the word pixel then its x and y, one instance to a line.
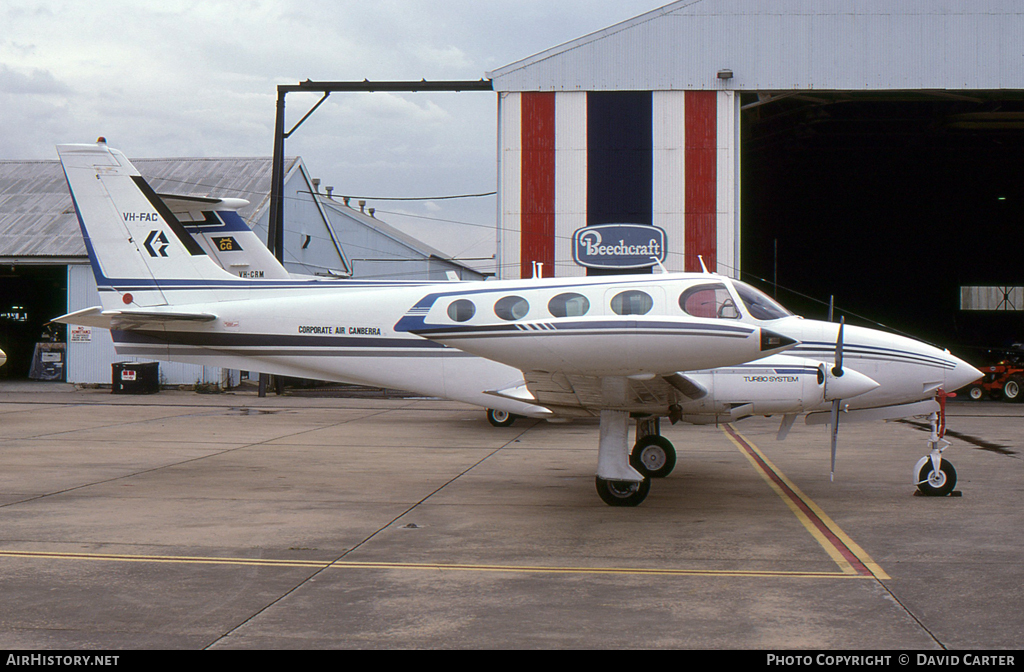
pixel 461 310
pixel 511 308
pixel 569 304
pixel 632 302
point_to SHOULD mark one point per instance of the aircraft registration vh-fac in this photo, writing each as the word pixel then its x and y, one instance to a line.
pixel 676 345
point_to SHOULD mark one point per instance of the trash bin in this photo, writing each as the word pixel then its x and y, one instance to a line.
pixel 135 377
pixel 48 361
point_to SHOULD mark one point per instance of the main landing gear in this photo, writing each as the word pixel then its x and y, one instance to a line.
pixel 652 456
pixel 500 418
pixel 936 477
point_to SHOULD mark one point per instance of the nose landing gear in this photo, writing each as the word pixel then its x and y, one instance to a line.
pixel 936 477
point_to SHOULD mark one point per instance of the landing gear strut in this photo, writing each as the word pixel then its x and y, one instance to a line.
pixel 935 476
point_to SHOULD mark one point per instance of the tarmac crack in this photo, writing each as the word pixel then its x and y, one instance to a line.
pixel 911 614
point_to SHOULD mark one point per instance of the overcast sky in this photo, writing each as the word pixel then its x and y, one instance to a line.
pixel 172 78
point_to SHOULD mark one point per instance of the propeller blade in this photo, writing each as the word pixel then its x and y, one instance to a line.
pixel 837 370
pixel 835 437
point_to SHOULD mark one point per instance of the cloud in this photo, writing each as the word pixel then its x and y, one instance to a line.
pixel 37 82
pixel 188 78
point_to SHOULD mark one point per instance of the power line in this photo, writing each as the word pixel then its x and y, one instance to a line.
pixel 415 198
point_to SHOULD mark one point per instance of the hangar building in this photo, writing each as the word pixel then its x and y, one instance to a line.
pixel 866 149
pixel 44 270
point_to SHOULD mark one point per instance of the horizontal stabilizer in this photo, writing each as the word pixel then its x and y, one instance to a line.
pixel 129 319
pixel 882 413
pixel 187 208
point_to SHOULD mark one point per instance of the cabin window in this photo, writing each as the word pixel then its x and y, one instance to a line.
pixel 511 308
pixel 569 304
pixel 709 301
pixel 760 305
pixel 632 302
pixel 461 310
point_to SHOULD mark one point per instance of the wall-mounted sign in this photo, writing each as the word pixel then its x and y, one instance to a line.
pixel 80 334
pixel 618 246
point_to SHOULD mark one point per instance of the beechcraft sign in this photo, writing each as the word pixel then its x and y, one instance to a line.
pixel 618 246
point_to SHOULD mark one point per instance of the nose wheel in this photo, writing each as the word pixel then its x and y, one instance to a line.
pixel 935 476
pixel 936 482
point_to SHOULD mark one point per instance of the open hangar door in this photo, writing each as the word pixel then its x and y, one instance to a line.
pixel 30 296
pixel 891 202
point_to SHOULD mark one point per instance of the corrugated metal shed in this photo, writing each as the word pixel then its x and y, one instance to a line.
pixel 37 220
pixel 790 45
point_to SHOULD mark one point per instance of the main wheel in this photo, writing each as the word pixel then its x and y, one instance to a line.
pixel 653 456
pixel 1013 388
pixel 622 493
pixel 976 392
pixel 500 418
pixel 936 483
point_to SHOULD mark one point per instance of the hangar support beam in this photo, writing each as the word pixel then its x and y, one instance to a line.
pixel 275 228
pixel 275 233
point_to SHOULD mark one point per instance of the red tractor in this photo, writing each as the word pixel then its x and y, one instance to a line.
pixel 1003 380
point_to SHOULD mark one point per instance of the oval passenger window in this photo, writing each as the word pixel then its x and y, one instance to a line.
pixel 632 302
pixel 461 310
pixel 511 308
pixel 569 304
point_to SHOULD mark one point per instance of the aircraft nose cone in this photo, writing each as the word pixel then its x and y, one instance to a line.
pixel 773 342
pixel 960 375
pixel 850 384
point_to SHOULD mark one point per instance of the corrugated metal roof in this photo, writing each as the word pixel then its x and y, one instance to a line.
pixel 790 45
pixel 38 220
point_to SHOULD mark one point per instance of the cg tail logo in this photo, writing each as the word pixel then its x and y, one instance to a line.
pixel 159 238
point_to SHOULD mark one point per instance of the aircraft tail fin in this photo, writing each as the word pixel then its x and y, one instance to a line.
pixel 137 246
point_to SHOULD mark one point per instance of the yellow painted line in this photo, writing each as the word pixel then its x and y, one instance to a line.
pixel 418 566
pixel 847 554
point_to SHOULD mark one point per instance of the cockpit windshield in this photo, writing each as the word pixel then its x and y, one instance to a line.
pixel 760 305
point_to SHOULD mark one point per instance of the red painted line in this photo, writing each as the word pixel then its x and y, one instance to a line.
pixel 855 562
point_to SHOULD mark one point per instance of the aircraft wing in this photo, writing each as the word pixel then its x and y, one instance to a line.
pixel 130 319
pixel 579 395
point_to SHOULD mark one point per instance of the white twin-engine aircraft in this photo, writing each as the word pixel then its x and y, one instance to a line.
pixel 184 279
